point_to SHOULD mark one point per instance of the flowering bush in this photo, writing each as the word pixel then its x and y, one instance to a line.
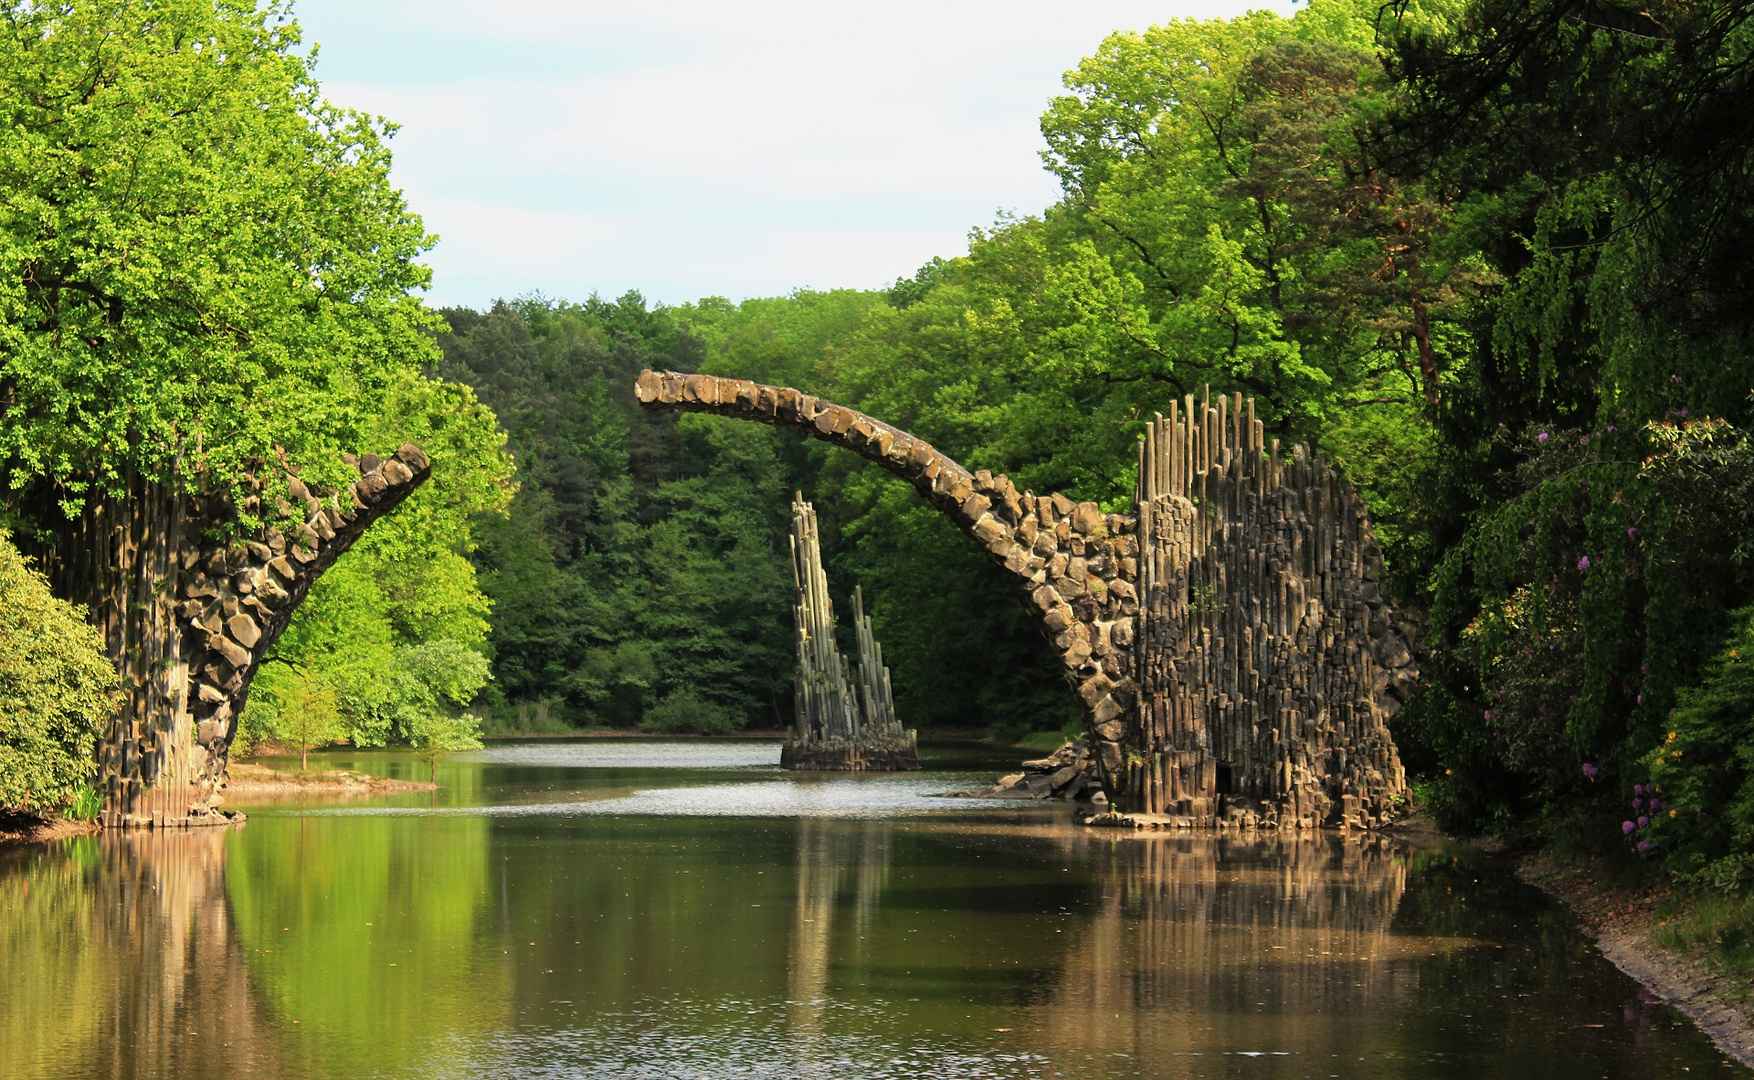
pixel 1577 612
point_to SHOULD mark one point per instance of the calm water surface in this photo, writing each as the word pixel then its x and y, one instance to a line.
pixel 684 909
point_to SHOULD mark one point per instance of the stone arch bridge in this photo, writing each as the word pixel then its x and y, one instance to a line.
pixel 1229 640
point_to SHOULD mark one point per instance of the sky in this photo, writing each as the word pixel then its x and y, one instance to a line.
pixel 687 148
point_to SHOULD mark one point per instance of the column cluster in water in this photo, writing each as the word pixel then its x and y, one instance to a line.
pixel 845 711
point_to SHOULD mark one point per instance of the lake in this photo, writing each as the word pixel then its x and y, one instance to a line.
pixel 682 908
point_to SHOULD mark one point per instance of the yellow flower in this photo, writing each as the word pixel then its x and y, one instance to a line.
pixel 1446 772
pixel 1671 813
pixel 1671 737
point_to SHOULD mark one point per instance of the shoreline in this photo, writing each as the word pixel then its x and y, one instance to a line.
pixel 969 735
pixel 249 778
pixel 17 830
pixel 1623 926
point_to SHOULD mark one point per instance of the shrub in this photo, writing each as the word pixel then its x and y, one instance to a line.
pixel 684 711
pixel 57 690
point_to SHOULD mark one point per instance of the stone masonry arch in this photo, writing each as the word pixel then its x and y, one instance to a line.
pixel 188 619
pixel 1229 641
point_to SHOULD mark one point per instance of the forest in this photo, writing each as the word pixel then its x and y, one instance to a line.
pixel 1490 258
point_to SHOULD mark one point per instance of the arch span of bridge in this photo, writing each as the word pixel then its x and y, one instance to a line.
pixel 1228 640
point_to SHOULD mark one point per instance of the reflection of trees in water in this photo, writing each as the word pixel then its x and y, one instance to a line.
pixel 1216 931
pixel 128 944
pixel 834 858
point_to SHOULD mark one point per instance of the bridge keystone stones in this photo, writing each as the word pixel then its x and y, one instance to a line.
pixel 1229 641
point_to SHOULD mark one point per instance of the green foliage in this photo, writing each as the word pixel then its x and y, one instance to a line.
pixel 87 803
pixel 300 711
pixel 57 691
pixel 202 262
pixel 684 711
pixel 1703 770
pixel 432 682
pixel 643 554
pixel 406 583
pixel 1600 415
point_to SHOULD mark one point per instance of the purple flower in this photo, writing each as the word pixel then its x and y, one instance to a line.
pixel 1683 410
pixel 1638 804
pixel 1674 378
pixel 1541 437
pixel 1657 805
pixel 1590 770
pixel 1644 847
pixel 1583 563
pixel 1610 427
pixel 1643 821
pixel 1626 828
pixel 1641 699
pixel 1488 714
pixel 1638 789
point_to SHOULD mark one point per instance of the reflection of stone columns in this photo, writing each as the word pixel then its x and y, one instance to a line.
pixel 1220 929
pixel 831 854
pixel 186 998
pixel 136 961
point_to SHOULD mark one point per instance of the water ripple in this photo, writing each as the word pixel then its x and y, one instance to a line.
pixel 837 797
pixel 606 754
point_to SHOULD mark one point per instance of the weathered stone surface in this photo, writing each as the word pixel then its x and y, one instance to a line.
pixel 229 603
pixel 844 713
pixel 243 630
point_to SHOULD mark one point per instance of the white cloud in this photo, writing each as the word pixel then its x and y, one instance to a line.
pixel 692 148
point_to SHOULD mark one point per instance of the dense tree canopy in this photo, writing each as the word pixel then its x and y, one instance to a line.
pixel 207 277
pixel 203 261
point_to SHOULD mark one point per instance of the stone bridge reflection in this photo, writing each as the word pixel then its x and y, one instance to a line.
pixel 980 945
pixel 133 967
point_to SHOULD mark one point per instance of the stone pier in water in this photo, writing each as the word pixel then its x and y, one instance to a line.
pixel 845 712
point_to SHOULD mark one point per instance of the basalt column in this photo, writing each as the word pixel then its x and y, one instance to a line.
pixel 188 609
pixel 1270 662
pixel 845 714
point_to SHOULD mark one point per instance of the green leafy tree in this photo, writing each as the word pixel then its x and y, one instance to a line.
pixel 407 582
pixel 1601 412
pixel 205 262
pixel 300 711
pixel 642 555
pixel 432 682
pixel 57 691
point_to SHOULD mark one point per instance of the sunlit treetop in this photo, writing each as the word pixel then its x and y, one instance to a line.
pixel 202 262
